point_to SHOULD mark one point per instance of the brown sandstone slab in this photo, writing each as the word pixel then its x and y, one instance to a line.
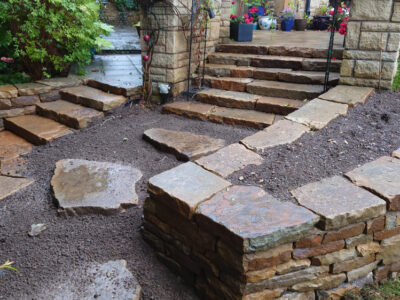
pixel 218 70
pixel 302 253
pixel 345 266
pixel 264 295
pixel 14 167
pixel 310 241
pixel 381 176
pixel 12 145
pixel 230 159
pixel 334 257
pixel 242 117
pixel 31 88
pixel 8 91
pixel 227 98
pixel 228 83
pixel 350 95
pixel 268 73
pixel 189 110
pixel 25 101
pixel 338 202
pixel 185 187
pixel 344 233
pixel 10 185
pixel 307 77
pixel 265 260
pixel 253 220
pixel 298 296
pixel 5 104
pixel 318 113
pixel 82 187
pixel 376 225
pixel 242 72
pixel 396 153
pixel 277 105
pixel 322 283
pixel 292 266
pixel 184 145
pixel 368 248
pixel 358 240
pixel 280 133
pixel 361 272
pixel 61 82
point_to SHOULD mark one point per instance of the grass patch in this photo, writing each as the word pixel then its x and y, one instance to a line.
pixel 386 291
pixel 396 81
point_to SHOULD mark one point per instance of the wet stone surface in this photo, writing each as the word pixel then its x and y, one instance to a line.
pixel 82 186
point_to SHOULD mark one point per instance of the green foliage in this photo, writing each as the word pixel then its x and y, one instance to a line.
pixel 49 35
pixel 126 5
pixel 7 266
pixel 396 82
pixel 386 291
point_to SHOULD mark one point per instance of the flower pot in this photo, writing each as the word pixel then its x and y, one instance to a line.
pixel 241 32
pixel 300 24
pixel 138 28
pixel 287 24
pixel 267 23
pixel 321 22
pixel 255 26
pixel 211 13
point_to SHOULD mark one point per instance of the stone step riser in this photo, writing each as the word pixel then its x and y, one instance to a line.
pixel 282 93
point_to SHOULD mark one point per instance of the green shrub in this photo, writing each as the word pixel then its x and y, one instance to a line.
pixel 47 36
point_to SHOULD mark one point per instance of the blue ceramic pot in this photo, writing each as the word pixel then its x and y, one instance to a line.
pixel 287 24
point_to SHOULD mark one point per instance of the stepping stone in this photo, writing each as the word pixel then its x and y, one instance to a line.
pixel 242 117
pixel 12 145
pixel 339 202
pixel 61 82
pixel 35 129
pixel 11 185
pixel 273 61
pixel 317 64
pixel 14 167
pixel 218 70
pixel 67 113
pixel 318 113
pixel 8 91
pixel 32 88
pixel 83 187
pixel 281 106
pixel 284 89
pixel 308 77
pixel 228 83
pixel 183 188
pixel 249 219
pixel 124 90
pixel 229 99
pixel 268 73
pixel 280 133
pixel 189 110
pixel 395 153
pixel 230 159
pixel 184 145
pixel 111 280
pixel 350 95
pixel 250 49
pixel 91 97
pixel 382 177
pixel 230 59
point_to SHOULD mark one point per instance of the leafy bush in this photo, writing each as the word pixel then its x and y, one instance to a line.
pixel 126 4
pixel 47 36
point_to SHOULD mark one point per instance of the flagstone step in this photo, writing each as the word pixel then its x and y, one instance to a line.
pixel 35 129
pixel 227 83
pixel 67 113
pixel 91 97
pixel 117 90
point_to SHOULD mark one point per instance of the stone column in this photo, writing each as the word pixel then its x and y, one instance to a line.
pixel 225 20
pixel 372 43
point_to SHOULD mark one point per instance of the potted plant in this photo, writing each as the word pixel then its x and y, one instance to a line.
pixel 241 29
pixel 268 21
pixel 321 20
pixel 301 24
pixel 287 19
pixel 252 15
pixel 341 15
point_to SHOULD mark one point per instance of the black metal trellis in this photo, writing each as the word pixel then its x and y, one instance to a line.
pixel 331 44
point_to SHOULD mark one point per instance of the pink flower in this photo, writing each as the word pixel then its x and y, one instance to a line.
pixel 251 19
pixel 7 60
pixel 247 21
pixel 340 10
pixel 246 16
pixel 334 58
pixel 332 12
pixel 233 2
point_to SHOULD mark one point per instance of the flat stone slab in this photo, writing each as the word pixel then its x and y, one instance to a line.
pixel 230 159
pixel 11 185
pixel 61 82
pixel 254 219
pixel 111 280
pixel 8 91
pixel 32 88
pixel 243 117
pixel 350 95
pixel 281 106
pixel 396 153
pixel 14 167
pixel 280 133
pixel 318 113
pixel 228 83
pixel 185 187
pixel 339 202
pixel 184 145
pixel 12 145
pixel 189 110
pixel 228 98
pixel 381 176
pixel 82 187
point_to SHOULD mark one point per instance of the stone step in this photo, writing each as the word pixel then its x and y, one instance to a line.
pixel 117 90
pixel 283 89
pixel 227 83
pixel 281 106
pixel 67 113
pixel 35 129
pixel 91 97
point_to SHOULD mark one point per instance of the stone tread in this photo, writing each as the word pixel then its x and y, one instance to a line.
pixel 351 95
pixel 36 129
pixel 10 185
pixel 12 146
pixel 67 113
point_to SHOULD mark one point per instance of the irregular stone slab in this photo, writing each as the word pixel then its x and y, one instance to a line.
pixel 218 70
pixel 185 187
pixel 12 145
pixel 230 59
pixel 361 272
pixel 316 64
pixel 298 296
pixel 302 253
pixel 10 185
pixel 276 105
pixel 345 266
pixel 189 110
pixel 318 113
pixel 350 95
pixel 184 145
pixel 268 73
pixel 280 133
pixel 396 153
pixel 229 99
pixel 381 176
pixel 111 280
pixel 242 117
pixel 35 129
pixel 15 167
pixel 228 83
pixel 328 282
pixel 251 220
pixel 61 82
pixel 331 258
pixel 272 61
pixel 31 88
pixel 338 202
pixel 23 101
pixel 230 159
pixel 5 104
pixel 8 91
pixel 307 77
pixel 82 187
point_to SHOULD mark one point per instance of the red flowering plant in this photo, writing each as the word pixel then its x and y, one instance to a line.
pixel 241 20
pixel 342 18
pixel 253 14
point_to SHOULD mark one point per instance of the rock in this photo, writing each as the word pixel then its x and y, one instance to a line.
pixel 350 95
pixel 37 229
pixel 82 186
pixel 344 233
pixel 25 101
pixel 368 248
pixel 301 253
pixel 31 88
pixel 5 104
pixel 12 145
pixel 322 283
pixel 298 296
pixel 345 266
pixel 243 117
pixel 376 225
pixel 189 110
pixel 268 73
pixel 264 295
pixel 382 176
pixel 10 185
pixel 280 133
pixel 292 266
pixel 14 167
pixel 371 10
pixel 318 113
pixel 184 145
pixel 229 99
pixel 8 91
pixel 54 95
pixel 281 106
pixel 357 240
pixel 361 272
pixel 269 259
pixel 228 83
pixel 61 82
pixel 260 275
pixel 339 202
pixel 331 258
pixel 396 153
pixel 378 236
pixel 230 159
pixel 390 250
pixel 313 240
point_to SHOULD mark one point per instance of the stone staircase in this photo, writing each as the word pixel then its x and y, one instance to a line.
pixel 257 85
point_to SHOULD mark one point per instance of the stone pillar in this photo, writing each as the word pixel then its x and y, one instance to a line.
pixel 372 43
pixel 225 21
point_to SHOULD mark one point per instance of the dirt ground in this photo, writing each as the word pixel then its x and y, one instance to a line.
pixel 368 132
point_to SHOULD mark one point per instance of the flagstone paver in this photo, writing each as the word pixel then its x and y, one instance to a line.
pixel 230 159
pixel 14 167
pixel 242 117
pixel 188 109
pixel 185 187
pixel 255 218
pixel 8 91
pixel 32 88
pixel 82 186
pixel 381 176
pixel 184 145
pixel 339 202
pixel 230 99
pixel 396 153
pixel 10 185
pixel 318 113
pixel 61 82
pixel 280 133
pixel 12 145
pixel 351 95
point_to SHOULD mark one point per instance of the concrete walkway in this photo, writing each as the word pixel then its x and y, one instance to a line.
pixel 124 38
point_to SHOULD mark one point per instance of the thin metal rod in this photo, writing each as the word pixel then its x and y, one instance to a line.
pixel 190 48
pixel 205 54
pixel 330 49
